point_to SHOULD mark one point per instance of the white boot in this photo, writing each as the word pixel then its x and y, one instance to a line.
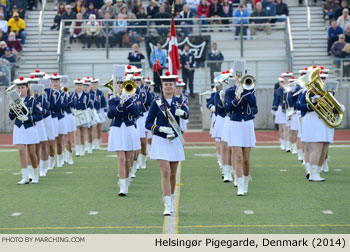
pixel 246 182
pixel 300 155
pixel 82 150
pixel 30 172
pixel 173 203
pixel 283 144
pixel 240 186
pixel 325 168
pixel 86 146
pixel 234 178
pixel 307 169
pixel 70 158
pixel 148 149
pixel 51 162
pixel 294 148
pixel 127 184
pixel 288 146
pixel 227 173
pixel 25 179
pixel 36 176
pixel 315 174
pixel 59 160
pixel 42 168
pixel 65 158
pixel 94 144
pixel 133 170
pixel 89 148
pixel 167 204
pixel 138 162
pixel 46 166
pixel 98 144
pixel 122 185
pixel 143 161
pixel 77 150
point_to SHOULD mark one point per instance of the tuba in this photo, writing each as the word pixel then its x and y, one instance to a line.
pixel 327 107
pixel 16 104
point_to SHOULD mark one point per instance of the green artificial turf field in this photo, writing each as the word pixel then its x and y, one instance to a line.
pixel 82 198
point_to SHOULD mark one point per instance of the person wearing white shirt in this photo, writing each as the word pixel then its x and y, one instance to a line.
pixel 3 27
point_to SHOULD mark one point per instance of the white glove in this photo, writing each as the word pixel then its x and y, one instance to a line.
pixel 273 112
pixel 212 109
pixel 314 98
pixel 239 91
pixel 342 107
pixel 166 130
pixel 124 98
pixel 179 112
pixel 23 118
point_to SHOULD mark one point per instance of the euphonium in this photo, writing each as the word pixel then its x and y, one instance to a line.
pixel 129 87
pixel 16 104
pixel 248 82
pixel 326 107
pixel 109 84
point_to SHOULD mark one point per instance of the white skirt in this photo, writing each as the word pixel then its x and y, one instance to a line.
pixel 70 122
pixel 294 122
pixel 301 118
pixel 123 138
pixel 50 131
pixel 315 130
pixel 212 123
pixel 25 136
pixel 40 126
pixel 219 124
pixel 149 134
pixel 281 117
pixel 163 149
pixel 62 126
pixel 55 126
pixel 102 116
pixel 241 134
pixel 225 129
pixel 141 122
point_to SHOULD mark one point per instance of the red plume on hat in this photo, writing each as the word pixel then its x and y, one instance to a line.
pixel 305 68
pixel 167 73
pixel 287 72
pixel 128 67
pixel 314 67
pixel 148 78
pixel 322 67
pixel 32 76
pixel 37 70
pixel 293 77
pixel 21 78
pixel 54 74
pixel 136 74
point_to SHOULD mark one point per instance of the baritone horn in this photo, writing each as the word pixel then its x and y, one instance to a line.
pixel 248 82
pixel 16 104
pixel 109 84
pixel 326 107
pixel 129 87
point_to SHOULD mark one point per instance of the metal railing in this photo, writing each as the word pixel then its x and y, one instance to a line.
pixel 308 19
pixel 289 43
pixel 40 21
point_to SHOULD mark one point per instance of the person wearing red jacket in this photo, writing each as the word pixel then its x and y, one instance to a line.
pixel 203 11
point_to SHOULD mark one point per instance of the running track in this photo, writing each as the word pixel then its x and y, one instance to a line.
pixel 264 137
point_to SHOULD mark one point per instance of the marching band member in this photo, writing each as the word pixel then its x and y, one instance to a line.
pixel 241 102
pixel 123 137
pixel 291 114
pixel 61 103
pixel 167 146
pixel 88 140
pixel 101 107
pixel 42 147
pixel 184 100
pixel 80 102
pixel 150 84
pixel 25 135
pixel 71 126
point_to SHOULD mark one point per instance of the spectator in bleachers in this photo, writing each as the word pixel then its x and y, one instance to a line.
pixel 4 74
pixel 167 8
pixel 333 35
pixel 186 14
pixel 106 31
pixel 3 45
pixel 163 26
pixel 345 56
pixel 339 11
pixel 178 6
pixel 135 56
pixel 117 7
pixel 77 31
pixel 214 55
pixel 259 24
pixel 227 10
pixel 329 9
pixel 134 32
pixel 152 9
pixel 93 31
pixel 4 11
pixel 14 44
pixel 77 6
pixel 57 19
pixel 193 5
pixel 17 25
pixel 108 7
pixel 137 6
pixel 161 56
pixel 203 11
pixel 97 3
pixel 142 15
pixel 337 48
pixel 250 5
pixel 215 11
pixel 240 13
pixel 124 12
pixel 344 20
pixel 347 34
pixel 270 8
pixel 119 30
pixel 3 27
pixel 5 4
pixel 83 12
pixel 19 8
pixel 281 9
pixel 91 9
pixel 10 59
pixel 68 14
